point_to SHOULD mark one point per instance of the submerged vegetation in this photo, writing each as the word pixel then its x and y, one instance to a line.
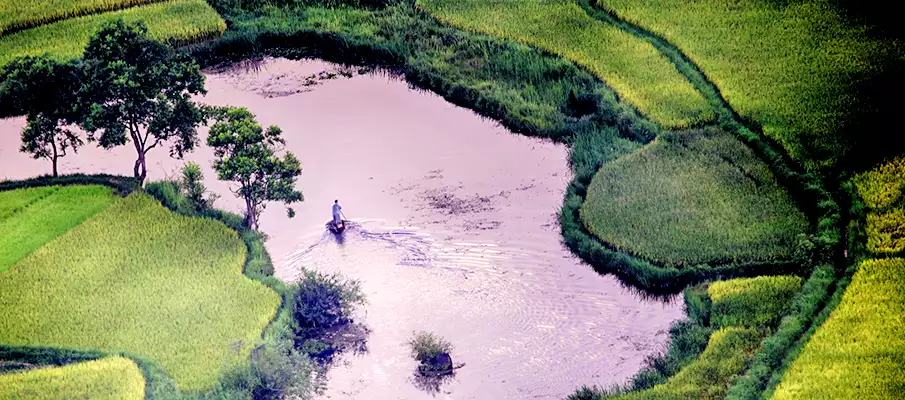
pixel 114 378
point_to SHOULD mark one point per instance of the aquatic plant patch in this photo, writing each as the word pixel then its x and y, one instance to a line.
pixel 690 199
pixel 635 69
pixel 859 352
pixel 141 279
pixel 29 228
pixel 173 21
pixel 16 15
pixel 751 302
pixel 789 66
pixel 114 378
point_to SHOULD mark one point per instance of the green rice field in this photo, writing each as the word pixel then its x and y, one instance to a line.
pixel 635 69
pixel 16 14
pixel 174 21
pixel 859 352
pixel 882 190
pixel 141 279
pixel 789 66
pixel 37 216
pixel 690 199
pixel 114 378
pixel 751 302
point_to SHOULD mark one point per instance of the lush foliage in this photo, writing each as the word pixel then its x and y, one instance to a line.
pixel 324 300
pixel 751 302
pixel 793 67
pixel 562 27
pixel 17 15
pixel 172 21
pixel 151 282
pixel 427 346
pixel 690 199
pixel 110 378
pixel 192 185
pixel 858 352
pixel 141 91
pixel 246 155
pixel 882 190
pixel 29 226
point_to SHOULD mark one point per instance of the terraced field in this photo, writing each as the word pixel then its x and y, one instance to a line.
pixel 114 378
pixel 690 199
pixel 139 278
pixel 29 218
pixel 174 21
pixel 636 70
pixel 790 66
pixel 18 15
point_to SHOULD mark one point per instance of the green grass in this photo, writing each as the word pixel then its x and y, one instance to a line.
pixel 141 279
pixel 13 201
pixel 112 378
pixel 690 199
pixel 790 66
pixel 859 352
pixel 635 69
pixel 751 302
pixel 882 190
pixel 175 21
pixel 31 227
pixel 708 377
pixel 15 14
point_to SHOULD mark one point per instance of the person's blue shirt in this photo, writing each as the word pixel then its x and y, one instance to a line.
pixel 336 210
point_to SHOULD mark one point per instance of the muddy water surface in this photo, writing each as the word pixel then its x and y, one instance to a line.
pixel 455 232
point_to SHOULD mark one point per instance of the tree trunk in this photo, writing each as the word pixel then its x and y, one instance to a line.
pixel 250 219
pixel 54 161
pixel 141 170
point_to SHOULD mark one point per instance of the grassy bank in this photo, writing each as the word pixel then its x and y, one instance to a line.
pixel 693 199
pixel 180 297
pixel 29 218
pixel 794 68
pixel 563 28
pixel 173 21
pixel 109 378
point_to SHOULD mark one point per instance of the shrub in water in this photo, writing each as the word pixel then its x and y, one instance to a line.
pixel 324 300
pixel 433 353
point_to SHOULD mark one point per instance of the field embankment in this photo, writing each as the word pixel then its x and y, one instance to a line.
pixel 115 378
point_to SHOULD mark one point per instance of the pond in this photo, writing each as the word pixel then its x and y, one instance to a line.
pixel 455 231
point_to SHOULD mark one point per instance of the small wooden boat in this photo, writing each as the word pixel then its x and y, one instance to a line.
pixel 337 228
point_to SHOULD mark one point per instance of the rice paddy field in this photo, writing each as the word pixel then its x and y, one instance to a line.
pixel 634 68
pixel 174 21
pixel 29 218
pixel 16 15
pixel 751 302
pixel 690 199
pixel 789 66
pixel 859 352
pixel 881 189
pixel 114 378
pixel 141 279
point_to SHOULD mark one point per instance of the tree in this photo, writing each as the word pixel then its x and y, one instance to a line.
pixel 246 154
pixel 192 184
pixel 140 90
pixel 47 92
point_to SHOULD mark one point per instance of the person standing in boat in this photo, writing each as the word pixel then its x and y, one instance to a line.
pixel 337 213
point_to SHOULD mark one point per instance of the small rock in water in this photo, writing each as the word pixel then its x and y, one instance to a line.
pixel 441 364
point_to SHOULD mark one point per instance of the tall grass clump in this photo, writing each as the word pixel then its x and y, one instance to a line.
pixel 19 15
pixel 112 378
pixel 693 198
pixel 858 351
pixel 173 21
pixel 636 70
pixel 151 283
pixel 426 346
pixel 799 69
pixel 53 211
